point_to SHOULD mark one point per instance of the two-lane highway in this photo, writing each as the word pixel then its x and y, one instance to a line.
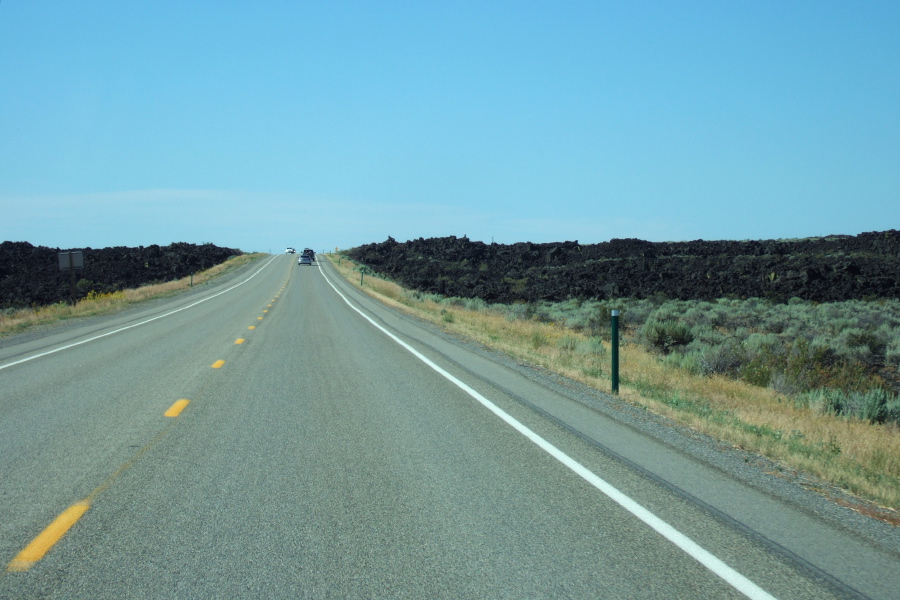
pixel 344 451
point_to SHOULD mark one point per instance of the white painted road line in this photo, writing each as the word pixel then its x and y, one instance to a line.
pixel 61 348
pixel 686 544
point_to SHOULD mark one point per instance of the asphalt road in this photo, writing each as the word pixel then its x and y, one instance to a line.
pixel 332 448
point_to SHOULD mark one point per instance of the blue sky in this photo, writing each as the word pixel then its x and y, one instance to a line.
pixel 333 124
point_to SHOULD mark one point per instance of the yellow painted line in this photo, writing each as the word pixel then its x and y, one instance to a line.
pixel 239 341
pixel 252 327
pixel 39 546
pixel 259 318
pixel 265 311
pixel 270 306
pixel 54 532
pixel 218 364
pixel 176 408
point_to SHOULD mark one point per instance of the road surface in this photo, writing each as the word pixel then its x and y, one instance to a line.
pixel 320 445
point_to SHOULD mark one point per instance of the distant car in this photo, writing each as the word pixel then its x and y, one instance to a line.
pixel 290 250
pixel 304 260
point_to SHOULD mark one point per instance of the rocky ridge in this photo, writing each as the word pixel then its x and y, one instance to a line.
pixel 825 269
pixel 30 275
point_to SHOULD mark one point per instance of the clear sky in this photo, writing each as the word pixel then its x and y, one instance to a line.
pixel 333 124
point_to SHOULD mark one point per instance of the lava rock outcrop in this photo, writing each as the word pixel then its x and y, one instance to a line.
pixel 826 269
pixel 30 275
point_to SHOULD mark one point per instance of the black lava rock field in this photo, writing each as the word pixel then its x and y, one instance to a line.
pixel 30 275
pixel 826 269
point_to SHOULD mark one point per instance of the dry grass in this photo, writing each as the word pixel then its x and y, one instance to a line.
pixel 857 456
pixel 97 304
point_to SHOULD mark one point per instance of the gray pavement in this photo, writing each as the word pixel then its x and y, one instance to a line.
pixel 324 460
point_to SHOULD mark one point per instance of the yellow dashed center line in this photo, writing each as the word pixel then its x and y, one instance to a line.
pixel 176 408
pixel 38 547
pixel 54 532
pixel 42 544
pixel 259 318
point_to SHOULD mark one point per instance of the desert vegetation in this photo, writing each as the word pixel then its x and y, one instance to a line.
pixel 811 385
pixel 840 357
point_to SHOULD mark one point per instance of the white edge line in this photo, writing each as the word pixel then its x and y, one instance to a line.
pixel 686 544
pixel 103 335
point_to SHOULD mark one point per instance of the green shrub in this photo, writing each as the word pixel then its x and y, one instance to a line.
pixel 520 311
pixel 689 361
pixel 722 314
pixel 636 314
pixel 871 405
pixel 722 359
pixel 591 316
pixel 892 353
pixel 761 343
pixel 476 304
pixel 875 405
pixel 706 334
pixel 823 400
pixel 867 339
pixel 663 336
pixel 892 411
pixel 593 346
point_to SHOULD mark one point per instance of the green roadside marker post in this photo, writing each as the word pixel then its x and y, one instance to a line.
pixel 615 351
pixel 363 271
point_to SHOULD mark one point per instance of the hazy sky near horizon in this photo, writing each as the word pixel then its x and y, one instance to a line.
pixel 258 125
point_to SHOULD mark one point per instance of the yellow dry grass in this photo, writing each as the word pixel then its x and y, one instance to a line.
pixel 96 304
pixel 857 456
